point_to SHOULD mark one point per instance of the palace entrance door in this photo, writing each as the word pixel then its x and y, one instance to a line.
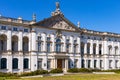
pixel 59 63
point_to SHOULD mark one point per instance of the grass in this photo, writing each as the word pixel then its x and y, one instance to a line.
pixel 77 77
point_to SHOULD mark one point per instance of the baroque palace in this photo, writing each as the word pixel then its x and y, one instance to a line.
pixel 55 42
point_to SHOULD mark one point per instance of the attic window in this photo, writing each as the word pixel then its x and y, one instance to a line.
pixel 3 27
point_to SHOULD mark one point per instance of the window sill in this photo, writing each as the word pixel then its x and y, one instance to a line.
pixel 26 69
pixel 16 69
pixel 3 69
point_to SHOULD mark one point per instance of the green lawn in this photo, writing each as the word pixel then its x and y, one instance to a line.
pixel 77 77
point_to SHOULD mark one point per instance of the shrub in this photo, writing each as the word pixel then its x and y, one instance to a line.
pixel 84 70
pixel 113 70
pixel 73 70
pixel 95 70
pixel 37 72
pixel 56 70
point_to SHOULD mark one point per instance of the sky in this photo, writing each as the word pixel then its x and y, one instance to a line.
pixel 99 15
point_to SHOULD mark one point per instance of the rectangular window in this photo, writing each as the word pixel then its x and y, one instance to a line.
pixel 15 29
pixel 48 64
pixel 40 64
pixel 26 64
pixel 39 46
pixel 116 63
pixel 89 63
pixel 3 27
pixel 25 30
pixel 110 64
pixel 75 63
pixel 48 38
pixel 15 63
pixel 39 37
pixel 95 62
pixel 101 63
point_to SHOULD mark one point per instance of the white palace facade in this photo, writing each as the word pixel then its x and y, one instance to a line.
pixel 55 42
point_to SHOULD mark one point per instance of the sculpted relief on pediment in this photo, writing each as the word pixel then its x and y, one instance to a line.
pixel 63 25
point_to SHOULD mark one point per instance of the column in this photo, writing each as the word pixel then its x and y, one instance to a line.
pixel 71 47
pixel 91 47
pixel 9 40
pixel 64 44
pixel 20 41
pixel 79 62
pixel 97 48
pixel 44 42
pixel 106 63
pixel 78 47
pixel 33 50
pixel 66 65
pixel 92 64
pixel 113 63
pixel 86 63
pixel 85 48
pixel 9 63
pixel 53 42
pixel 33 40
pixel 98 63
pixel 105 47
pixel 20 63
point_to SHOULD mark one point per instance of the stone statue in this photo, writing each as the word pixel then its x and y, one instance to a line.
pixel 57 5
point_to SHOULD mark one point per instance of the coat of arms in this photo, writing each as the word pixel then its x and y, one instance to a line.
pixel 59 33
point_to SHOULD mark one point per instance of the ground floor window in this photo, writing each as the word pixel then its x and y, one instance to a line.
pixel 26 63
pixel 110 64
pixel 48 64
pixel 89 63
pixel 40 64
pixel 3 63
pixel 116 63
pixel 95 62
pixel 82 62
pixel 75 63
pixel 101 63
pixel 15 63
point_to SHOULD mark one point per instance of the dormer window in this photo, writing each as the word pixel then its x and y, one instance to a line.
pixel 48 38
pixel 94 38
pixel 25 30
pixel 88 37
pixel 67 40
pixel 75 41
pixel 39 37
pixel 3 27
pixel 15 29
pixel 109 39
pixel 82 36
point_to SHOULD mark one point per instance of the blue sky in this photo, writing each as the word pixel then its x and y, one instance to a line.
pixel 100 15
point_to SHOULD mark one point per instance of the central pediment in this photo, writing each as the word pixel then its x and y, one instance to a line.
pixel 58 22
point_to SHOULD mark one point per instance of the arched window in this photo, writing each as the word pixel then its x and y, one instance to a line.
pixel 14 43
pixel 26 63
pixel 25 44
pixel 82 48
pixel 48 47
pixel 109 49
pixel 82 63
pixel 3 42
pixel 116 50
pixel 100 49
pixel 94 49
pixel 3 63
pixel 48 44
pixel 88 48
pixel 15 63
pixel 58 45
